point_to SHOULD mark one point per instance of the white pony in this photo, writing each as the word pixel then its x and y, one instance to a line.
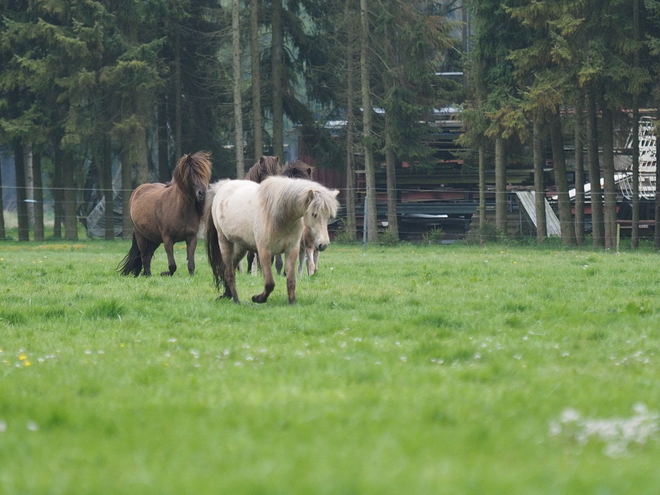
pixel 267 218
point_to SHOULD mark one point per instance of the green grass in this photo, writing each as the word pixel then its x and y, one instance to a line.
pixel 410 369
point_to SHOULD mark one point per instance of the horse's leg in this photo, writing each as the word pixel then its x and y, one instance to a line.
pixel 290 267
pixel 229 279
pixel 278 263
pixel 311 265
pixel 250 261
pixel 301 261
pixel 146 252
pixel 239 254
pixel 314 253
pixel 265 259
pixel 255 265
pixel 168 244
pixel 191 245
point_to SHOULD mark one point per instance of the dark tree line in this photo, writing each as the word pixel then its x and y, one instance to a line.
pixel 84 84
pixel 96 89
pixel 567 72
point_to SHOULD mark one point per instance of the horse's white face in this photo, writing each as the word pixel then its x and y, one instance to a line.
pixel 317 225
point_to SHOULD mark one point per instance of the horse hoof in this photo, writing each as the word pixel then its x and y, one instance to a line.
pixel 259 299
pixel 165 274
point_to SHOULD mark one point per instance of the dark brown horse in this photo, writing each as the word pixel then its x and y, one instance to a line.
pixel 168 213
pixel 265 167
pixel 298 169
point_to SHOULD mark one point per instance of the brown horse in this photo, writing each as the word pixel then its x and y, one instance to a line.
pixel 298 169
pixel 168 213
pixel 266 167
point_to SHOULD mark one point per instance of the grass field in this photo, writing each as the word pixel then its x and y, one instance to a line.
pixel 448 369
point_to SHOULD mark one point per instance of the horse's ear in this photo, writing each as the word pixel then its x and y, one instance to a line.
pixel 262 159
pixel 335 192
pixel 309 171
pixel 310 197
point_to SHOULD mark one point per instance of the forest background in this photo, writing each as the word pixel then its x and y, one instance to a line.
pixel 90 90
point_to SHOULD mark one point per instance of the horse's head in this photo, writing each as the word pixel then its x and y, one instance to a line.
pixel 322 207
pixel 267 166
pixel 298 170
pixel 193 174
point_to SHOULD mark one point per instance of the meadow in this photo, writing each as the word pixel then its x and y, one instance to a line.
pixel 411 369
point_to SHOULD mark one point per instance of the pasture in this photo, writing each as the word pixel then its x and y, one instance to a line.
pixel 410 369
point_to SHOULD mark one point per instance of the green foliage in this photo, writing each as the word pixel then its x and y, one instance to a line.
pixel 409 367
pixel 343 236
pixel 485 233
pixel 388 237
pixel 433 236
pixel 410 45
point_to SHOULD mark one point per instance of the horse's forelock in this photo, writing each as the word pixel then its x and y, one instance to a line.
pixel 280 195
pixel 324 202
pixel 271 165
pixel 193 169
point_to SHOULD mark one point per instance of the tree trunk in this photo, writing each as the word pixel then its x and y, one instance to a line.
pixel 126 189
pixel 579 173
pixel 38 197
pixel 143 108
pixel 141 111
pixel 482 183
pixel 350 128
pixel 656 212
pixel 238 100
pixel 3 230
pixel 257 123
pixel 277 74
pixel 634 241
pixel 58 192
pixel 565 214
pixel 106 186
pixel 164 173
pixel 21 192
pixel 608 176
pixel 178 105
pixel 390 170
pixel 500 185
pixel 594 169
pixel 29 185
pixel 539 184
pixel 70 206
pixel 371 223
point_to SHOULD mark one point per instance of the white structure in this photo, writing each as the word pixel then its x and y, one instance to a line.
pixel 647 162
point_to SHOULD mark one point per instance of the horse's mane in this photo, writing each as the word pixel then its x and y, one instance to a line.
pixel 280 195
pixel 265 167
pixel 298 169
pixel 192 169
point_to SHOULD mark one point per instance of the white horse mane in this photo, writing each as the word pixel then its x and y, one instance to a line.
pixel 281 196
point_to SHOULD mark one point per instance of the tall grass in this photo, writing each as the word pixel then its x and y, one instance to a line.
pixel 409 369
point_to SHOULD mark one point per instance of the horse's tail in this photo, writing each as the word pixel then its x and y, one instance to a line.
pixel 213 252
pixel 211 237
pixel 132 262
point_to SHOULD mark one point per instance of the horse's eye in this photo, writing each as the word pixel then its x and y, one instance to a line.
pixel 315 215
